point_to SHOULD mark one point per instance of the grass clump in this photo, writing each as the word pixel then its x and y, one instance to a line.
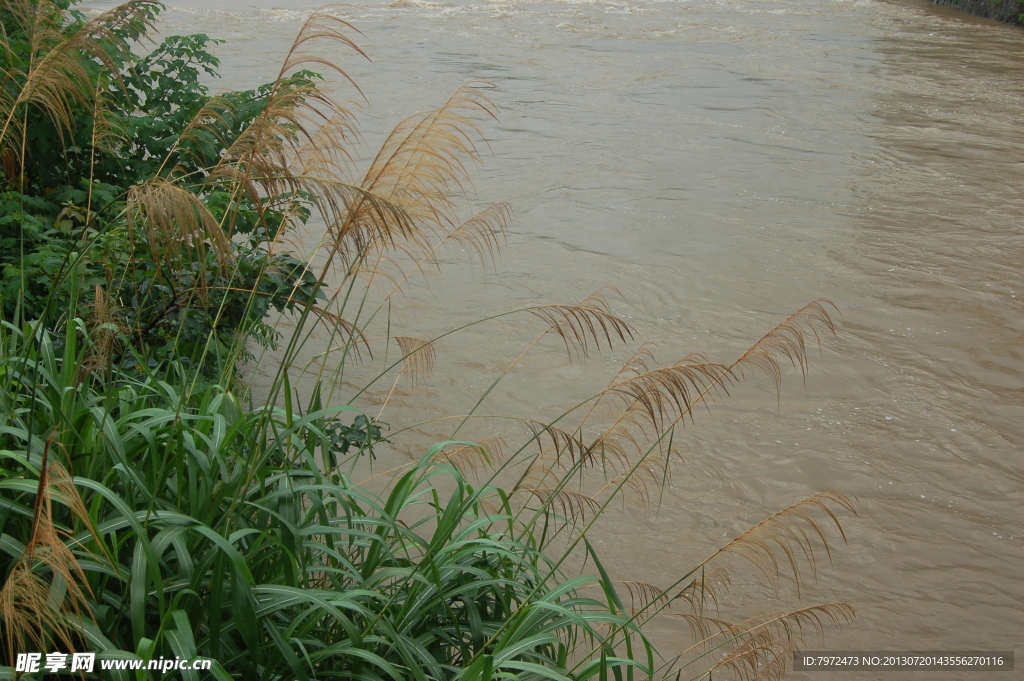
pixel 150 509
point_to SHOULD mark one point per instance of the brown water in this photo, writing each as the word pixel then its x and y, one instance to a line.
pixel 722 163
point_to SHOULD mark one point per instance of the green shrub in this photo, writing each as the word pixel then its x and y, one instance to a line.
pixel 111 162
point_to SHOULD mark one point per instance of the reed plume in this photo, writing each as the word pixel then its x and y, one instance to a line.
pixel 46 593
pixel 57 79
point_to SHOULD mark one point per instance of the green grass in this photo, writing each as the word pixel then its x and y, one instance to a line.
pixel 210 530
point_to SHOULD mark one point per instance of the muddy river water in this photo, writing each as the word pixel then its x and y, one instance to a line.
pixel 721 163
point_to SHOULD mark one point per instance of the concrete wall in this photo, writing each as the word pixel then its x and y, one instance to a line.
pixel 1009 11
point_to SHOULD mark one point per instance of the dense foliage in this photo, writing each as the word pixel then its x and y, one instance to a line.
pixel 1008 11
pixel 79 193
pixel 150 509
pixel 210 531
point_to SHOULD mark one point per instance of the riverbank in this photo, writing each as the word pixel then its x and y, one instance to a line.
pixel 1007 11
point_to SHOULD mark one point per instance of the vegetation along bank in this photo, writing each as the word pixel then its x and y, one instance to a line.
pixel 1008 11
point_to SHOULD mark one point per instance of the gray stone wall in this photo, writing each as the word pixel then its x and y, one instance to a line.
pixel 1009 11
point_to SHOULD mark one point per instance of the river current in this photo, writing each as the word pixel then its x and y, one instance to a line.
pixel 721 163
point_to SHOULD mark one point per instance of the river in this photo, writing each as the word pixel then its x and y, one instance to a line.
pixel 721 163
